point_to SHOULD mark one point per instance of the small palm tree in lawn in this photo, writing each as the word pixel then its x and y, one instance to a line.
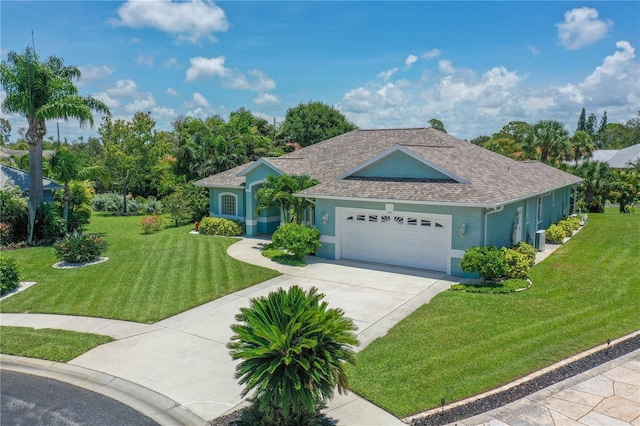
pixel 293 349
pixel 41 91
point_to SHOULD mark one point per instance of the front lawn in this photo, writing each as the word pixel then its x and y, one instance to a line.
pixel 47 343
pixel 148 277
pixel 461 344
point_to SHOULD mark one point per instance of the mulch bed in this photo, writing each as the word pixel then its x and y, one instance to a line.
pixel 527 388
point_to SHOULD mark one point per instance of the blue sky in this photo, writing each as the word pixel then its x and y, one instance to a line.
pixel 473 65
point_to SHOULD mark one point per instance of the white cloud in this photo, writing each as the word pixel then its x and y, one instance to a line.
pixel 145 60
pixel 95 72
pixel 123 89
pixel 533 49
pixel 143 102
pixel 171 62
pixel 171 91
pixel 261 82
pixel 206 67
pixel 108 100
pixel 192 20
pixel 581 27
pixel 266 99
pixel 433 53
pixel 386 75
pixel 200 100
pixel 411 59
pixel 446 66
pixel 163 113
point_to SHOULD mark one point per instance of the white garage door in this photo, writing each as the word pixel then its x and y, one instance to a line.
pixel 399 238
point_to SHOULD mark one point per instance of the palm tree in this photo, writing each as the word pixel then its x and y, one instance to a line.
pixel 551 138
pixel 597 184
pixel 300 204
pixel 277 191
pixel 42 90
pixel 582 145
pixel 293 349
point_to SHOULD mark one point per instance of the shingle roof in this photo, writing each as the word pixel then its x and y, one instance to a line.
pixel 491 179
pixel 20 178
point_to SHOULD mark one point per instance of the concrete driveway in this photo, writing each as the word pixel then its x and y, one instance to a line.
pixel 184 357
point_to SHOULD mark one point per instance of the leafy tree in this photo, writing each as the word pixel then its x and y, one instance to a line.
pixel 277 191
pixel 597 184
pixel 505 146
pixel 310 123
pixel 480 140
pixel 42 90
pixel 625 189
pixel 5 131
pixel 434 123
pixel 65 167
pixel 292 349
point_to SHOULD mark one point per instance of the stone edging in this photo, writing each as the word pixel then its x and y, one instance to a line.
pixel 69 265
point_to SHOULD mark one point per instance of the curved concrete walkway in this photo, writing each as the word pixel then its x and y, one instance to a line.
pixel 184 358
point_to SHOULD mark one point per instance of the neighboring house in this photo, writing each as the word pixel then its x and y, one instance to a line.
pixel 12 176
pixel 409 197
pixel 618 158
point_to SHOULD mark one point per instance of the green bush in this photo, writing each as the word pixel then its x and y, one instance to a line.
pixel 9 275
pixel 528 250
pixel 14 212
pixel 299 240
pixel 107 202
pixel 574 221
pixel 567 226
pixel 151 205
pixel 488 261
pixel 221 226
pixel 78 247
pixel 518 264
pixel 49 224
pixel 555 234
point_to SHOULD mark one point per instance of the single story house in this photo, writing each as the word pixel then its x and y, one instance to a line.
pixel 408 197
pixel 618 158
pixel 20 178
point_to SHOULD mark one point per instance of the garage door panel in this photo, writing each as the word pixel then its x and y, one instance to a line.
pixel 405 239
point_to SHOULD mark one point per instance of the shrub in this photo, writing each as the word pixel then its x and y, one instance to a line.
pixel 151 205
pixel 528 250
pixel 567 226
pixel 78 247
pixel 9 275
pixel 300 240
pixel 175 205
pixel 134 206
pixel 151 223
pixel 221 226
pixel 14 212
pixel 107 202
pixel 518 264
pixel 574 221
pixel 292 350
pixel 555 234
pixel 488 261
pixel 49 223
pixel 5 234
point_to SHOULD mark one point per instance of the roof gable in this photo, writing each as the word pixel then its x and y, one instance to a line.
pixel 401 164
pixel 263 162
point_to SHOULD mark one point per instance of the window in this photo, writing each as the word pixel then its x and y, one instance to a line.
pixel 539 211
pixel 373 218
pixel 228 205
pixel 412 221
pixel 399 220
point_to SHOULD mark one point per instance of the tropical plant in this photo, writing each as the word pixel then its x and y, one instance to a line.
pixel 42 90
pixel 299 240
pixel 596 185
pixel 551 138
pixel 220 226
pixel 277 191
pixel 292 349
pixel 78 247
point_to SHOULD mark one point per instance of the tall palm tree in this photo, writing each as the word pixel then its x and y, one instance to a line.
pixel 41 91
pixel 292 350
pixel 551 138
pixel 582 145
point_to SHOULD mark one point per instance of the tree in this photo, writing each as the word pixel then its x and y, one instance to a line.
pixel 292 349
pixel 65 167
pixel 581 145
pixel 480 140
pixel 313 122
pixel 41 91
pixel 434 123
pixel 551 138
pixel 277 191
pixel 597 184
pixel 582 121
pixel 505 146
pixel 5 131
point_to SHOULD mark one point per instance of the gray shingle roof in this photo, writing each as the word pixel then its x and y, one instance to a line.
pixel 20 178
pixel 491 179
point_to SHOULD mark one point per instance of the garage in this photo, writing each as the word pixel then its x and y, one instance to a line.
pixel 415 240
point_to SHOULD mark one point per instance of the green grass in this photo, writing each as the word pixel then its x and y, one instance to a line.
pixel 461 344
pixel 148 277
pixel 46 343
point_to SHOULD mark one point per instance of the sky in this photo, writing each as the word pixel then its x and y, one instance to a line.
pixel 474 65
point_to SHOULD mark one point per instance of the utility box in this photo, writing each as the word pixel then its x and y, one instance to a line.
pixel 541 236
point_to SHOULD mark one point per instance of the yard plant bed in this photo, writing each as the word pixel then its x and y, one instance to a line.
pixel 148 277
pixel 462 344
pixel 527 388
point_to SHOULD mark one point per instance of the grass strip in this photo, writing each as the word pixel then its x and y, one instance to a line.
pixel 461 344
pixel 47 343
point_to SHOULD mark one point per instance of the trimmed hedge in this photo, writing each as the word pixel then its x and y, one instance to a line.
pixel 221 226
pixel 300 240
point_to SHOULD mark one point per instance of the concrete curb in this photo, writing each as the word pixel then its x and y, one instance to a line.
pixel 158 407
pixel 517 382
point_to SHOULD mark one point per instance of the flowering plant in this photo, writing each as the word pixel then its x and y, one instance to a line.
pixel 78 247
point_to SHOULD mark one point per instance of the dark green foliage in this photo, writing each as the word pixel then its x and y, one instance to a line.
pixel 221 226
pixel 9 275
pixel 310 123
pixel 297 239
pixel 292 349
pixel 518 264
pixel 488 261
pixel 49 224
pixel 78 247
pixel 507 286
pixel 14 212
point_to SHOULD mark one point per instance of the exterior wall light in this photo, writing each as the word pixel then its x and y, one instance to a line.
pixel 325 218
pixel 463 229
